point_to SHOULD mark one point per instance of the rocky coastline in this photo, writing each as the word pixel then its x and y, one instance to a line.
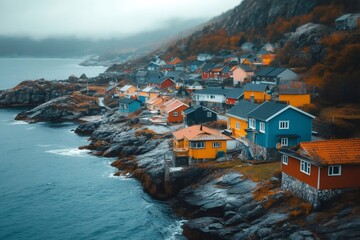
pixel 219 202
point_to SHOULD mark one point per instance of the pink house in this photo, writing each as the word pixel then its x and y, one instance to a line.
pixel 242 73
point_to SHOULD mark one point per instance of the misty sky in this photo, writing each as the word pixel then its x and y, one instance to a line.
pixel 100 18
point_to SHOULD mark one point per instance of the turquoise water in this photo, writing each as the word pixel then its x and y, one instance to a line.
pixel 15 70
pixel 51 190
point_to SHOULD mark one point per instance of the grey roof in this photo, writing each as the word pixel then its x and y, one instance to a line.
pixel 343 17
pixel 207 67
pixel 266 110
pixel 141 73
pixel 255 87
pixel 270 71
pixel 192 109
pixel 242 109
pixel 167 66
pixel 127 100
pixel 213 90
pixel 235 93
pixel 246 68
pixel 111 87
pixel 226 70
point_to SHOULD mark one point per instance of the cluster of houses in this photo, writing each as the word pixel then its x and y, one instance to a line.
pixel 262 106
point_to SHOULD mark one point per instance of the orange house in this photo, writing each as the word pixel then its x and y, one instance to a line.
pixel 174 61
pixel 199 142
pixel 256 92
pixel 294 94
pixel 238 117
pixel 267 58
pixel 173 111
pixel 319 170
pixel 127 91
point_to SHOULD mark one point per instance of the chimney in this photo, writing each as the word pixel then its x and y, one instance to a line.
pixel 189 104
pixel 200 127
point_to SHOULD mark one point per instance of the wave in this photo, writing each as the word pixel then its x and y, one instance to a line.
pixel 73 152
pixel 174 231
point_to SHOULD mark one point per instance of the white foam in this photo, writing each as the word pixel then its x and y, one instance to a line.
pixel 43 145
pixel 73 152
pixel 175 229
pixel 120 177
pixel 18 123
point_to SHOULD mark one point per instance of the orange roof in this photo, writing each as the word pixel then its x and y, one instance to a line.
pixel 174 105
pixel 198 132
pixel 219 69
pixel 338 151
pixel 153 100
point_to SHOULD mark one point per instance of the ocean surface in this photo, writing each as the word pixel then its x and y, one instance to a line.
pixel 16 70
pixel 51 190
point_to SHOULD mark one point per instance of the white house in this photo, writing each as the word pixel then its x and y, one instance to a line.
pixel 275 75
pixel 211 96
pixel 204 57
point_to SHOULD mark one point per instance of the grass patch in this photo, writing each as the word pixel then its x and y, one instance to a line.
pixel 259 172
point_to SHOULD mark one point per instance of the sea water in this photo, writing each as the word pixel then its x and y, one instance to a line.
pixel 49 189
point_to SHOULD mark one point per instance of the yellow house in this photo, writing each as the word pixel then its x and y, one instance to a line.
pixel 127 91
pixel 152 103
pixel 147 93
pixel 256 92
pixel 237 117
pixel 294 94
pixel 295 100
pixel 199 142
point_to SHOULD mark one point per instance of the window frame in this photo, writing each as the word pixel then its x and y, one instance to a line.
pixel 216 143
pixel 175 115
pixel 284 124
pixel 262 127
pixel 331 170
pixel 305 167
pixel 237 125
pixel 252 123
pixel 194 145
pixel 209 114
pixel 285 159
pixel 282 143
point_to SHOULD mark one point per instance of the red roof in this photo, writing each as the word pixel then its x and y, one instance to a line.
pixel 328 152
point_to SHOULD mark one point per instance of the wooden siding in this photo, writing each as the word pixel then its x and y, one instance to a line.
pixel 238 132
pixel 295 100
pixel 293 169
pixel 179 118
pixel 349 174
pixel 258 96
pixel 167 83
pixel 208 152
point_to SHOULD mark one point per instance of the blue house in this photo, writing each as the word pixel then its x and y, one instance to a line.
pixel 128 105
pixel 276 125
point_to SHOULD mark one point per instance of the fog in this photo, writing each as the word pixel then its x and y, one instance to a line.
pixel 100 19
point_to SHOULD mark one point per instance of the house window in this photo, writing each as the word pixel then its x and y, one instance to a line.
pixel 175 114
pixel 216 144
pixel 252 123
pixel 305 167
pixel 285 159
pixel 237 125
pixel 212 96
pixel 283 124
pixel 334 170
pixel 284 142
pixel 262 127
pixel 209 114
pixel 197 144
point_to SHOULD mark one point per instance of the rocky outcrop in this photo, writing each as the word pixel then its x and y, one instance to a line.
pixel 257 14
pixel 65 108
pixel 34 93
